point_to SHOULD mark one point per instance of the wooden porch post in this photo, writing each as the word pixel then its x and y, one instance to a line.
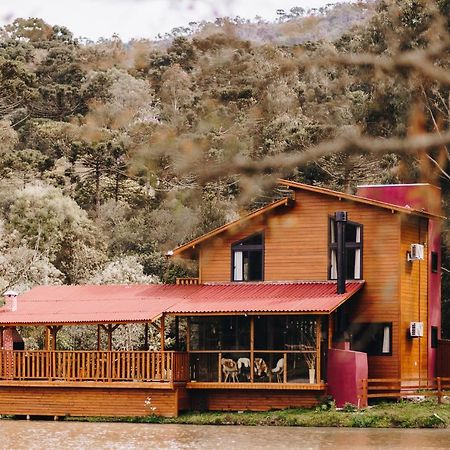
pixel 146 336
pixel 252 348
pixel 47 338
pixel 188 334
pixel 177 333
pixel 99 340
pixel 330 330
pixel 318 337
pixel 162 332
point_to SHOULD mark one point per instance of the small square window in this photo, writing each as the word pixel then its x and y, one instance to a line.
pixel 434 262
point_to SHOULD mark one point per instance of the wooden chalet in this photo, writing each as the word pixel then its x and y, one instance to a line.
pixel 306 296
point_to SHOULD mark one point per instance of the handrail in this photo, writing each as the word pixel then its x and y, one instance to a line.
pixel 100 365
pixel 403 387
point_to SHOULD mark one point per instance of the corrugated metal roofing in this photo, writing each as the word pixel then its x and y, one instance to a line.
pixel 143 303
pixel 319 297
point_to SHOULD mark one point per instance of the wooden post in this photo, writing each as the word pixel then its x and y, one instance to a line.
pixel 363 399
pixel 219 371
pixel 99 340
pixel 285 368
pixel 54 331
pixel 330 331
pixel 188 334
pixel 318 355
pixel 146 337
pixel 109 330
pixel 47 343
pixel 162 333
pixel 177 333
pixel 252 349
pixel 439 390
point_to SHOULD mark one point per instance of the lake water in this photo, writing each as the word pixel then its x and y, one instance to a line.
pixel 22 434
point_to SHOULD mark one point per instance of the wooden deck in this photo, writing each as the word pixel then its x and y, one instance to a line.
pixel 137 383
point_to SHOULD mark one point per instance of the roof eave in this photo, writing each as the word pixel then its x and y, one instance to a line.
pixel 285 201
pixel 355 198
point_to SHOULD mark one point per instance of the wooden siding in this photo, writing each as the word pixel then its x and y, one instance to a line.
pixel 296 248
pixel 63 400
pixel 253 400
pixel 414 303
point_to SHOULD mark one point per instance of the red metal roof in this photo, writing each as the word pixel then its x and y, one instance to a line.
pixel 143 303
pixel 308 296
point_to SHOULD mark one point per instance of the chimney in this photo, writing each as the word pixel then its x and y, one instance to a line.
pixel 340 218
pixel 10 300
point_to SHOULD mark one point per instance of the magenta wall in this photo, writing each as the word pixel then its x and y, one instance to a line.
pixel 345 370
pixel 427 197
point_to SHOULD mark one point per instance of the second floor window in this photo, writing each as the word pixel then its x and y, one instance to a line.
pixel 353 251
pixel 247 258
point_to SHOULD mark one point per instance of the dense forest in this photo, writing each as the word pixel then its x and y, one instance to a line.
pixel 112 153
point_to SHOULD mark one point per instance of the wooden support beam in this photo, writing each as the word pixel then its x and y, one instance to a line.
pixel 318 338
pixel 99 338
pixel 330 331
pixel 177 333
pixel 252 349
pixel 146 336
pixel 162 333
pixel 188 334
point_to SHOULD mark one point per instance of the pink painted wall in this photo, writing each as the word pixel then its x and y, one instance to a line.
pixel 428 198
pixel 345 371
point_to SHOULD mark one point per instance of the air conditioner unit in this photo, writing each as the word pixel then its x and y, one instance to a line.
pixel 417 252
pixel 416 329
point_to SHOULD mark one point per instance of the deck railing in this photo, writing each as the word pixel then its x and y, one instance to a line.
pixel 94 365
pixel 404 387
pixel 188 281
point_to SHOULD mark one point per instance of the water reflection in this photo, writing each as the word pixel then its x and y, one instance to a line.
pixel 77 435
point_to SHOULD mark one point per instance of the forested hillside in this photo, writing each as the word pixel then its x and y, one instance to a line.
pixel 112 153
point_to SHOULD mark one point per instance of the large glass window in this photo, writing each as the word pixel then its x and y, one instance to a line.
pixel 375 339
pixel 254 349
pixel 248 259
pixel 353 251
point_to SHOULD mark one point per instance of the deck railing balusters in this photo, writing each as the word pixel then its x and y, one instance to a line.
pixel 93 365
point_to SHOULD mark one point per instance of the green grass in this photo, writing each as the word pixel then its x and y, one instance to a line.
pixel 427 414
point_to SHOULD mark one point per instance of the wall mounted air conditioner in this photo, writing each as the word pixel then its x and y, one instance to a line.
pixel 417 252
pixel 416 329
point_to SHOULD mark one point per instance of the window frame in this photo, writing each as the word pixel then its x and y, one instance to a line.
pixel 383 325
pixel 434 337
pixel 434 262
pixel 353 245
pixel 249 247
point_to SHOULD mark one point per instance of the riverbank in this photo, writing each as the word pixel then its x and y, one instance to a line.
pixel 405 414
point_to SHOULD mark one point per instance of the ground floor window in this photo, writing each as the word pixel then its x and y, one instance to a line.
pixel 375 339
pixel 256 349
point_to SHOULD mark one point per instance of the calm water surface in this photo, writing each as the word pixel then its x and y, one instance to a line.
pixel 93 436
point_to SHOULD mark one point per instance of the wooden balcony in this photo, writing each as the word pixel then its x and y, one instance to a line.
pixel 188 281
pixel 24 365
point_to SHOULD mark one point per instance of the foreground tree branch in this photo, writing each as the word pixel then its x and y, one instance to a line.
pixel 351 143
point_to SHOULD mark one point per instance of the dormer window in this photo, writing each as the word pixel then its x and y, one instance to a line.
pixel 248 257
pixel 353 251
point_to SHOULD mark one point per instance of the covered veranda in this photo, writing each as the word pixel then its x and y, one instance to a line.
pixel 235 335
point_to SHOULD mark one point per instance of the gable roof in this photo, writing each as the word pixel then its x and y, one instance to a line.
pixel 92 304
pixel 358 199
pixel 286 201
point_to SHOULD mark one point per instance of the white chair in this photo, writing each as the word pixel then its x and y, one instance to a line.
pixel 230 370
pixel 279 370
